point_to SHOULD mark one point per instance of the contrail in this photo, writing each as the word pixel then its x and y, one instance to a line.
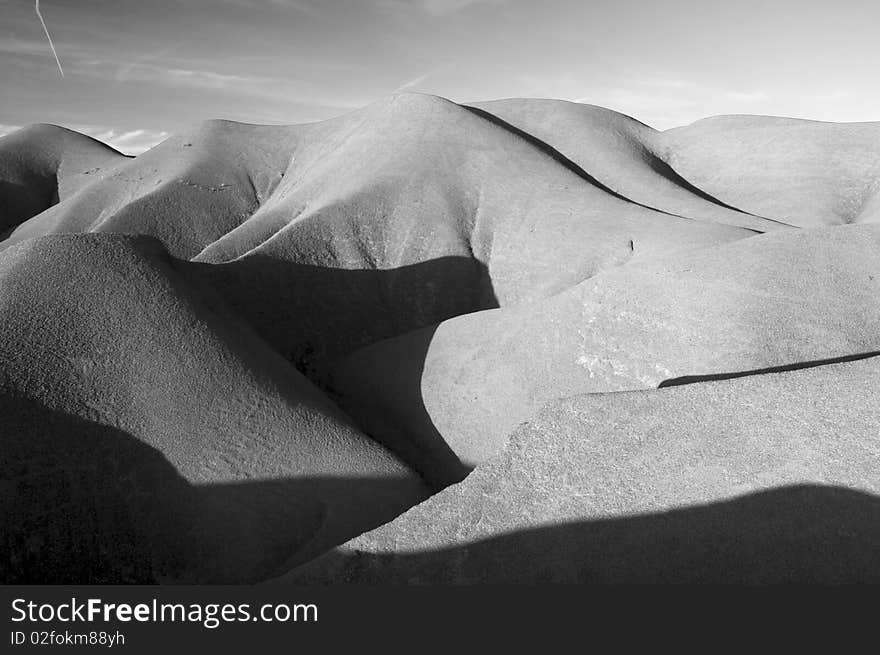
pixel 46 30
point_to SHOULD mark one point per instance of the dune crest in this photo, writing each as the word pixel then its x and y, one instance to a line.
pixel 255 345
pixel 150 403
pixel 41 165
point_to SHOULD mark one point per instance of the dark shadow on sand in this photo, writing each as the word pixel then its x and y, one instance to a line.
pixel 657 165
pixel 22 201
pixel 314 315
pixel 405 427
pixel 710 377
pixel 89 503
pixel 792 534
pixel 86 503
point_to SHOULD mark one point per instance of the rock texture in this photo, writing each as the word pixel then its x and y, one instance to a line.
pixel 772 300
pixel 763 479
pixel 149 435
pixel 251 344
pixel 806 173
pixel 408 212
pixel 43 164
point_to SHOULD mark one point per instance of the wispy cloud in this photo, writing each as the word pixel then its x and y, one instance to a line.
pixel 434 7
pixel 666 101
pixel 438 7
pixel 16 46
pixel 298 5
pixel 141 71
pixel 416 81
pixel 131 142
pixel 122 74
pixel 200 78
pixel 313 7
pixel 30 52
pixel 292 90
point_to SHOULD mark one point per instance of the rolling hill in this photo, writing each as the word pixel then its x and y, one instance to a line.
pixel 441 342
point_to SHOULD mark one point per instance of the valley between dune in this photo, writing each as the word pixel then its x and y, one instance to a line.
pixel 425 342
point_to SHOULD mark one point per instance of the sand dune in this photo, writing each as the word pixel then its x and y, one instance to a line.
pixel 622 154
pixel 765 479
pixel 405 182
pixel 43 164
pixel 187 191
pixel 768 301
pixel 801 172
pixel 252 343
pixel 131 395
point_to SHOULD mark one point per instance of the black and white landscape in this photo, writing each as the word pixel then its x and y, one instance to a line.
pixel 523 340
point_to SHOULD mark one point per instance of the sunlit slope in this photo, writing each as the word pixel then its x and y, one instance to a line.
pixel 455 212
pixel 622 154
pixel 807 173
pixel 774 300
pixel 187 191
pixel 764 479
pixel 252 343
pixel 447 211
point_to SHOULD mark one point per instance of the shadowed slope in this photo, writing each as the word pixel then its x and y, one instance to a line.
pixel 773 300
pixel 313 315
pixel 758 480
pixel 41 165
pixel 803 534
pixel 87 503
pixel 443 272
pixel 104 339
pixel 188 191
pixel 802 172
pixel 417 179
pixel 409 180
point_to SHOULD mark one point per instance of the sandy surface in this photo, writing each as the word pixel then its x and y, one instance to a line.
pixel 251 344
pixel 769 478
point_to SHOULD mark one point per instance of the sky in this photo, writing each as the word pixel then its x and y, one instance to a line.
pixel 138 70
